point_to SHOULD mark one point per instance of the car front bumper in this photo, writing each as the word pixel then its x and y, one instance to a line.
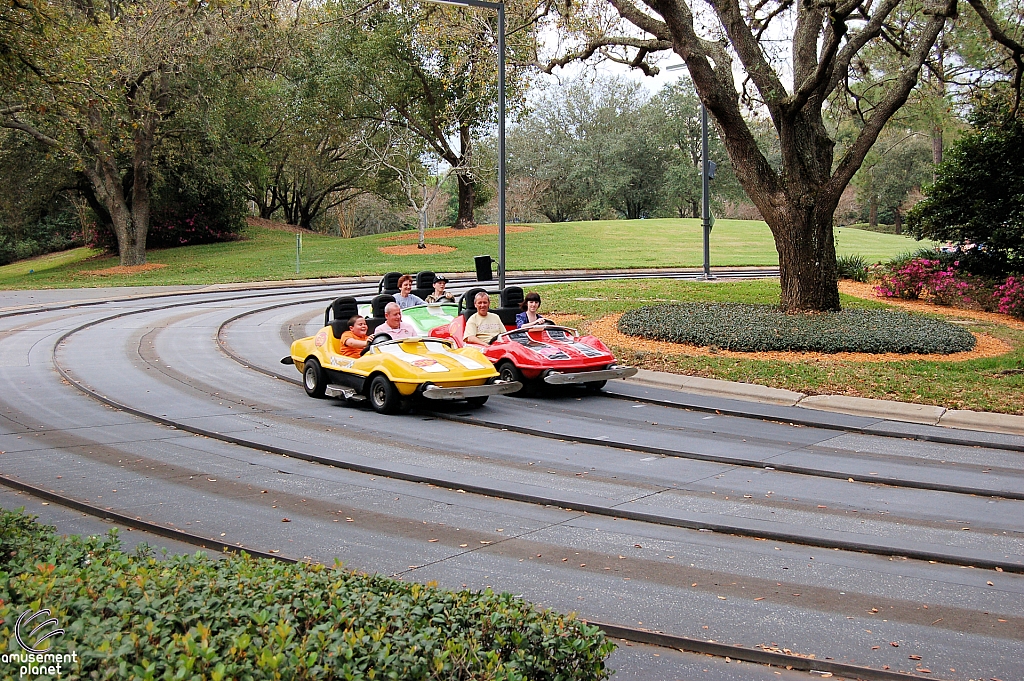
pixel 433 392
pixel 579 377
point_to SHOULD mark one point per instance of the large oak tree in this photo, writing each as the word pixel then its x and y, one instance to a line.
pixel 726 40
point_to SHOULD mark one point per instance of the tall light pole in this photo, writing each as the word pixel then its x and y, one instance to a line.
pixel 500 8
pixel 707 172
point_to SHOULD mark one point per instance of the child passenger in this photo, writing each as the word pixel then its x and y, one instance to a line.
pixel 354 341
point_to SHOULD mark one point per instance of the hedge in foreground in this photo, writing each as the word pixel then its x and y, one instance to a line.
pixel 761 328
pixel 192 617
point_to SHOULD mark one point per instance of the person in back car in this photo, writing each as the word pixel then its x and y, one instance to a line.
pixel 440 295
pixel 393 324
pixel 405 297
pixel 483 326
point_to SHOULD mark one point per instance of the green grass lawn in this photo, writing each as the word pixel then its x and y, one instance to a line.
pixel 988 384
pixel 267 254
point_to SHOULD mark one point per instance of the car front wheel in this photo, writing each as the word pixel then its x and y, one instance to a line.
pixel 384 397
pixel 508 372
pixel 313 379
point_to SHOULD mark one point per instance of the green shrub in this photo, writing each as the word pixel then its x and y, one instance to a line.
pixel 133 616
pixel 760 328
pixel 853 267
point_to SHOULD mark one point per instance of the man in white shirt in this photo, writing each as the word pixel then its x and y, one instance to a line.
pixel 393 324
pixel 483 326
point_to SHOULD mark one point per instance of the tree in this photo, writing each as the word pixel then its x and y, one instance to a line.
pixel 978 194
pixel 900 163
pixel 103 80
pixel 432 69
pixel 827 41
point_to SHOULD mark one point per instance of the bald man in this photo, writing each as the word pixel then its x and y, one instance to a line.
pixel 393 324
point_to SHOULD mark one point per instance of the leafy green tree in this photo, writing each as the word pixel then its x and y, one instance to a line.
pixel 432 69
pixel 102 80
pixel 978 194
pixel 723 39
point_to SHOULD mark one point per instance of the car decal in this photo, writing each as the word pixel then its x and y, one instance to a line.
pixel 582 348
pixel 320 339
pixel 542 349
pixel 425 363
pixel 343 363
pixel 442 349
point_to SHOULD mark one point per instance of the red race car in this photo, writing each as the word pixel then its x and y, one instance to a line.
pixel 555 355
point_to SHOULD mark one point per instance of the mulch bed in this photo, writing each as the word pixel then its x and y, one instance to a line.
pixel 412 249
pixel 606 328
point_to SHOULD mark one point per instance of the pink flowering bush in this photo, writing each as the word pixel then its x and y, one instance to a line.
pixel 944 284
pixel 1009 297
pixel 908 280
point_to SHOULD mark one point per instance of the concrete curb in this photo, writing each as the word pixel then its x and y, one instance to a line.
pixel 717 388
pixel 856 406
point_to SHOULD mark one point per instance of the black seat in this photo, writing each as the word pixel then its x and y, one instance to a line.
pixel 377 305
pixel 511 296
pixel 389 283
pixel 424 284
pixel 466 301
pixel 339 312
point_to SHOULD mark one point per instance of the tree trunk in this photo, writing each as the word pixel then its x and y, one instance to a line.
pixel 467 199
pixel 807 262
pixel 873 212
pixel 937 144
pixel 465 181
pixel 899 221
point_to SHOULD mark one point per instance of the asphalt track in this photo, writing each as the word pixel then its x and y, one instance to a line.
pixel 636 508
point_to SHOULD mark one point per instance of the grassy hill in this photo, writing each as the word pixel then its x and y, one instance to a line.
pixel 269 254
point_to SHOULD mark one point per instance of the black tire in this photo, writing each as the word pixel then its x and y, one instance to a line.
pixel 477 401
pixel 313 379
pixel 507 371
pixel 384 396
pixel 595 386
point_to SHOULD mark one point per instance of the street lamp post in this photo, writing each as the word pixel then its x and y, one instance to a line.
pixel 707 172
pixel 500 8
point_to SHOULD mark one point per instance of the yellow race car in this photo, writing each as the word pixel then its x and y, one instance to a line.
pixel 392 373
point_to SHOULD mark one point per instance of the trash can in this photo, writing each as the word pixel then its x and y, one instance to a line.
pixel 483 267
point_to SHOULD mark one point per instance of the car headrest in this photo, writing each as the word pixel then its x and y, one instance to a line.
pixel 511 296
pixel 344 308
pixel 379 302
pixel 425 279
pixel 389 283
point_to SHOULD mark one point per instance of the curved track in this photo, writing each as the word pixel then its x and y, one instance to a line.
pixel 627 508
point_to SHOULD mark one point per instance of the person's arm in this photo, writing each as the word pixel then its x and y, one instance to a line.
pixel 353 342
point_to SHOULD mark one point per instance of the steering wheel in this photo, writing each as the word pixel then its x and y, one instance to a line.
pixel 377 339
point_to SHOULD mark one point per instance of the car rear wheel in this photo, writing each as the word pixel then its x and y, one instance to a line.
pixel 384 397
pixel 507 371
pixel 313 379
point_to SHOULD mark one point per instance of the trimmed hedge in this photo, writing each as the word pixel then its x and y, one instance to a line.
pixel 760 328
pixel 193 617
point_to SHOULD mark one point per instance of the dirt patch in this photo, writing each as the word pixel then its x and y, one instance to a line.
pixel 412 249
pixel 606 328
pixel 119 270
pixel 867 291
pixel 448 232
